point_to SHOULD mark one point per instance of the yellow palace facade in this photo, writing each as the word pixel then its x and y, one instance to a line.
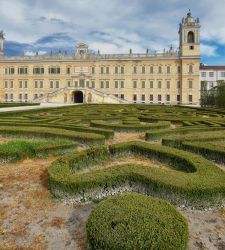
pixel 170 77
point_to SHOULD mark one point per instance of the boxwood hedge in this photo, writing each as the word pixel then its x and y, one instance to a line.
pixel 158 134
pixel 129 126
pixel 46 132
pixel 192 180
pixel 106 132
pixel 134 221
pixel 200 143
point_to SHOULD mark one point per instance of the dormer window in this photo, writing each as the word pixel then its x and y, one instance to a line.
pixel 82 49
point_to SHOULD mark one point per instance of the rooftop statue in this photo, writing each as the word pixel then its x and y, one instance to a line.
pixel 2 34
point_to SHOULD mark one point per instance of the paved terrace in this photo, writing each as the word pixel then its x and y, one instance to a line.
pixel 43 105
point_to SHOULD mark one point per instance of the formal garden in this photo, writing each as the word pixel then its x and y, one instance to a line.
pixel 113 177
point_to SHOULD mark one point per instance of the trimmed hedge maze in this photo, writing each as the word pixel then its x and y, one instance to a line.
pixel 91 124
pixel 192 180
pixel 45 132
pixel 211 145
pixel 135 126
pixel 139 224
pixel 187 141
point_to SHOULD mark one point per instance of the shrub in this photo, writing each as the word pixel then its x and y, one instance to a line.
pixel 201 143
pixel 134 221
pixel 196 181
pixel 130 126
pixel 107 133
pixel 157 135
pixel 46 132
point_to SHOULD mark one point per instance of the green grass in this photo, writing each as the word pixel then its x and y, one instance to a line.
pixel 17 104
pixel 18 149
pixel 134 221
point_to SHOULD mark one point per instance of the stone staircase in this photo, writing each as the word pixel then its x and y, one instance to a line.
pixel 97 96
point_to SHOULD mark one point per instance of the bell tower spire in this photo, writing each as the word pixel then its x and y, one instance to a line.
pixel 190 36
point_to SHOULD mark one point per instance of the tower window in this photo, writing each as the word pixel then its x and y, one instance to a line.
pixel 190 69
pixel 191 37
pixel 192 47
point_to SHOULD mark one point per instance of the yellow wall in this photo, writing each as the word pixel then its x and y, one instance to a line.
pixel 128 77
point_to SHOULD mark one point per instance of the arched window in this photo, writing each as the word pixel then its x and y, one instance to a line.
pixel 191 37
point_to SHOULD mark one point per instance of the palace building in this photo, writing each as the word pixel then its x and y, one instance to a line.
pixel 170 77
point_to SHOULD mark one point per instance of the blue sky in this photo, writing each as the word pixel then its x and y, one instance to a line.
pixel 112 26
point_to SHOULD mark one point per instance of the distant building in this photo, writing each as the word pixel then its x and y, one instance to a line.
pixel 169 77
pixel 211 75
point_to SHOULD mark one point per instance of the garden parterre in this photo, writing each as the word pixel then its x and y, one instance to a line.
pixel 191 179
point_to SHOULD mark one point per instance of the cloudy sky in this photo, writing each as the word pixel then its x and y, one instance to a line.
pixel 112 26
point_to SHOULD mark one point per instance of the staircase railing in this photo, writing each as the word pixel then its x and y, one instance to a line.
pixel 102 94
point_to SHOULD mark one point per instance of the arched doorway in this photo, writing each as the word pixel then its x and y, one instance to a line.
pixel 78 97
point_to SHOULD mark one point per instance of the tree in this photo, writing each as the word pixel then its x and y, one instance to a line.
pixel 220 94
pixel 207 96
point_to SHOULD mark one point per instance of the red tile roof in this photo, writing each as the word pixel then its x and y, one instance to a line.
pixel 203 67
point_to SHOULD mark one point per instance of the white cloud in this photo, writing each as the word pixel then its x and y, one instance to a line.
pixel 136 24
pixel 208 50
